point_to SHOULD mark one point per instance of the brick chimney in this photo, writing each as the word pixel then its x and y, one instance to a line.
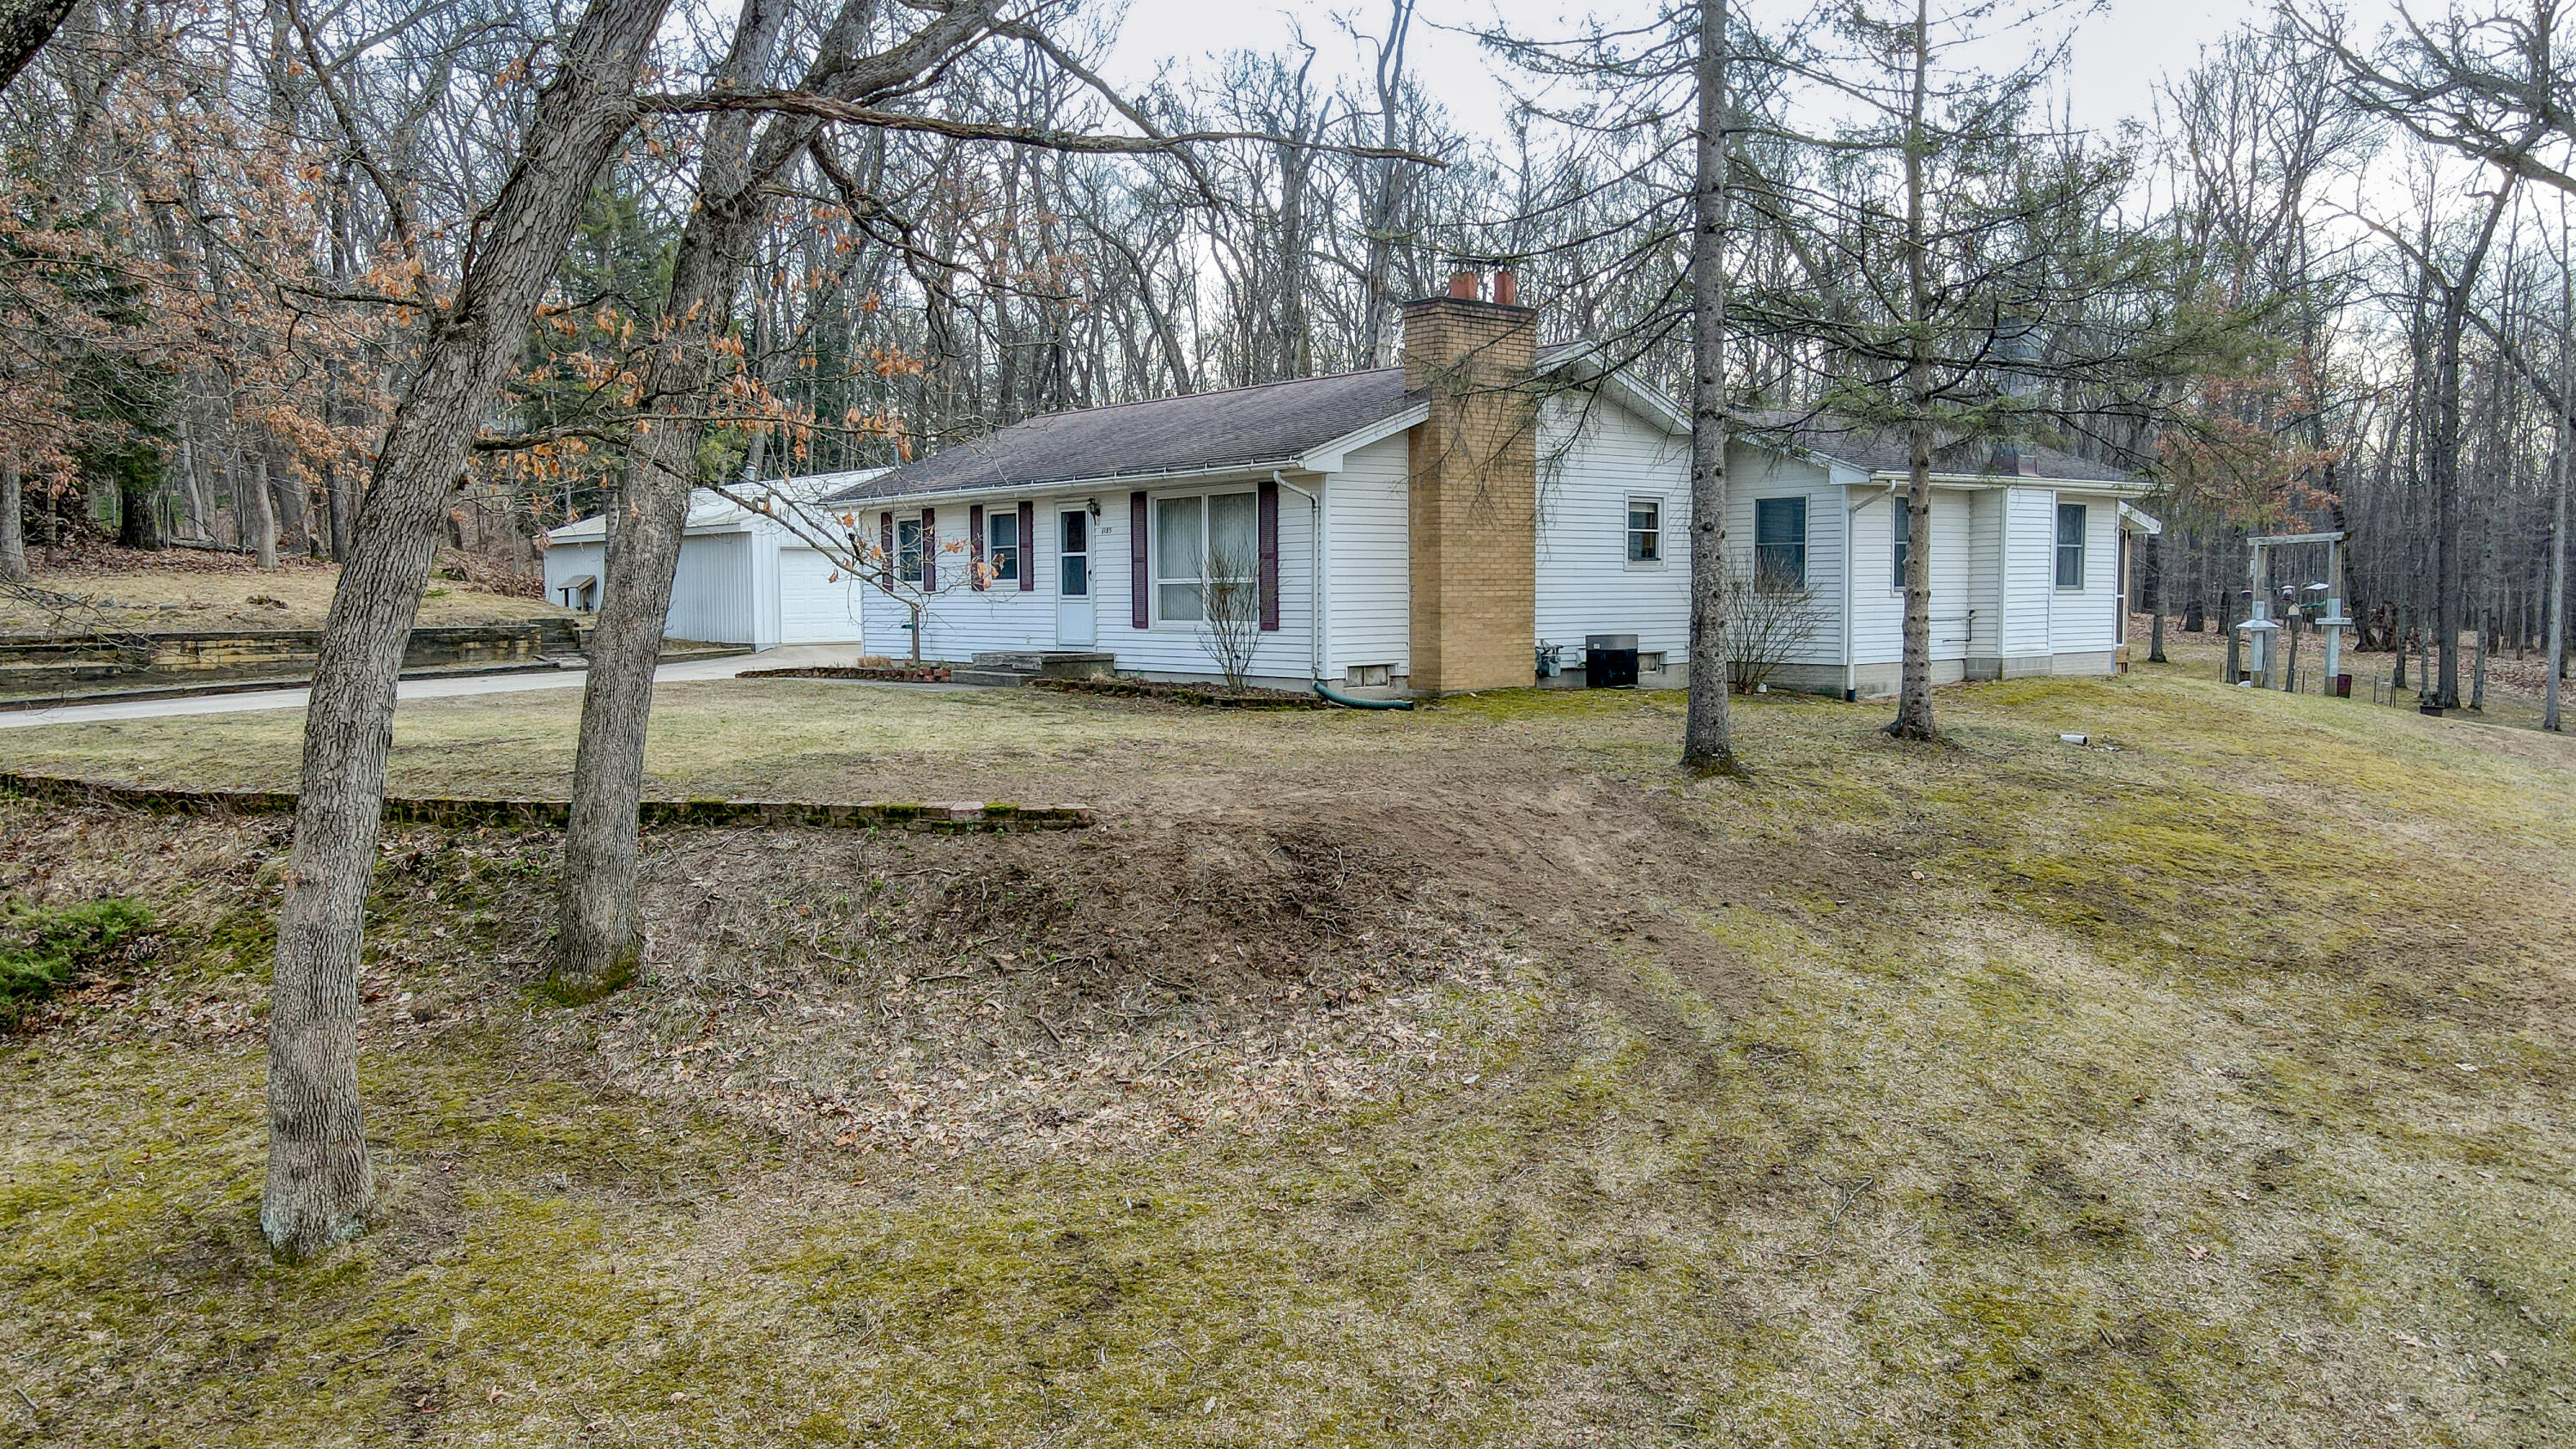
pixel 1474 487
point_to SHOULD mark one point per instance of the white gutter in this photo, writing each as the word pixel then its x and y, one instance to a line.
pixel 983 492
pixel 1314 572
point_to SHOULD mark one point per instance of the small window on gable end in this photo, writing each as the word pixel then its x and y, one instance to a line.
pixel 2070 545
pixel 1002 544
pixel 1645 530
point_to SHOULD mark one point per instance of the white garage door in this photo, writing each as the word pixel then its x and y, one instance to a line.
pixel 813 606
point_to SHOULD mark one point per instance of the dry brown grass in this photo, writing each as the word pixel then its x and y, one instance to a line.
pixel 2209 1089
pixel 188 589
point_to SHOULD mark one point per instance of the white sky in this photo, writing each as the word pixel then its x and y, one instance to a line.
pixel 2119 55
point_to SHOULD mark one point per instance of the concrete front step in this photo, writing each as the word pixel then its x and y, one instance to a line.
pixel 1017 666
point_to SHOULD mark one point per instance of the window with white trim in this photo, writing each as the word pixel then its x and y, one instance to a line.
pixel 1645 530
pixel 907 550
pixel 1780 542
pixel 1203 543
pixel 1002 543
pixel 2070 545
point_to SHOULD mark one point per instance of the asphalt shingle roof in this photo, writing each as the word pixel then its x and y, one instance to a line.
pixel 1886 450
pixel 1245 425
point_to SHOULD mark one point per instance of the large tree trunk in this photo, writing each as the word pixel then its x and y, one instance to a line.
pixel 2155 592
pixel 1708 743
pixel 320 1188
pixel 13 539
pixel 1914 682
pixel 596 943
pixel 2557 623
pixel 138 518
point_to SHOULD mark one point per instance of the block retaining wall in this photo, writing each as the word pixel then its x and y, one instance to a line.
pixel 934 815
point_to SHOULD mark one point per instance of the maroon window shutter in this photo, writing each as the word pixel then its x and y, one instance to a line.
pixel 1268 506
pixel 1028 547
pixel 891 572
pixel 1137 583
pixel 930 550
pixel 975 542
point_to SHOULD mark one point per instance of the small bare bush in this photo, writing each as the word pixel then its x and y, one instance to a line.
pixel 1770 616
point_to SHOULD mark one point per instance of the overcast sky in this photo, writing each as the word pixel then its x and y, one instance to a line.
pixel 2120 52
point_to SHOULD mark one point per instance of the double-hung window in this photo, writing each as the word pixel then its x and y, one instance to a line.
pixel 1645 530
pixel 1780 543
pixel 2070 545
pixel 1903 539
pixel 907 550
pixel 1206 550
pixel 1002 544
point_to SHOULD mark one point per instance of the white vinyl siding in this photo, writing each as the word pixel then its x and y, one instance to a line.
pixel 1370 571
pixel 961 622
pixel 1756 474
pixel 1878 612
pixel 565 562
pixel 2086 621
pixel 711 590
pixel 2030 569
pixel 1595 459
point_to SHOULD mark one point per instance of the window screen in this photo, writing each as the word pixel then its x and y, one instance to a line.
pixel 1178 555
pixel 907 550
pixel 1073 560
pixel 1780 542
pixel 1002 544
pixel 1645 530
pixel 2070 545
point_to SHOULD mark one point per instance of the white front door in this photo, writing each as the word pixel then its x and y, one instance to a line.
pixel 1073 626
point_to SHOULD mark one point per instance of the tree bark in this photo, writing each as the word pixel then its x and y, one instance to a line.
pixel 1914 685
pixel 320 1188
pixel 2155 592
pixel 138 523
pixel 596 942
pixel 25 26
pixel 263 512
pixel 1708 743
pixel 2549 705
pixel 596 945
pixel 13 538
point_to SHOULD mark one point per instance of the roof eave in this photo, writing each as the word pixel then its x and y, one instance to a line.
pixel 2114 487
pixel 1253 468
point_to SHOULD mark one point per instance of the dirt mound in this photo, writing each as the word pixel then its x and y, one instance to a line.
pixel 1073 994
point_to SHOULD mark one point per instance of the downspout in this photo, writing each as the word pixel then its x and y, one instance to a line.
pixel 1314 576
pixel 1851 552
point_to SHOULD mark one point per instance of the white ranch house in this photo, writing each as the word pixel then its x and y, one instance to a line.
pixel 1429 527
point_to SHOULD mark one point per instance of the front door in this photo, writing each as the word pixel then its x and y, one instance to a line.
pixel 1073 626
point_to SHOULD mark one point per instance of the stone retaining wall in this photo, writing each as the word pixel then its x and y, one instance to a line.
pixel 31 662
pixel 971 815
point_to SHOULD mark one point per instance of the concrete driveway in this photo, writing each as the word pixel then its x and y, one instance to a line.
pixel 791 657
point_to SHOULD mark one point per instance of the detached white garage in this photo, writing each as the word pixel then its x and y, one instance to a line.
pixel 742 578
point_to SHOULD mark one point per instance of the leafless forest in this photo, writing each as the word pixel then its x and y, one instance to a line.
pixel 2326 286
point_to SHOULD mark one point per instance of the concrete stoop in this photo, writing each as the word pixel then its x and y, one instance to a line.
pixel 1006 667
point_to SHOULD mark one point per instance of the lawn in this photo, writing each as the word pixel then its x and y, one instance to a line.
pixel 184 590
pixel 1461 1077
